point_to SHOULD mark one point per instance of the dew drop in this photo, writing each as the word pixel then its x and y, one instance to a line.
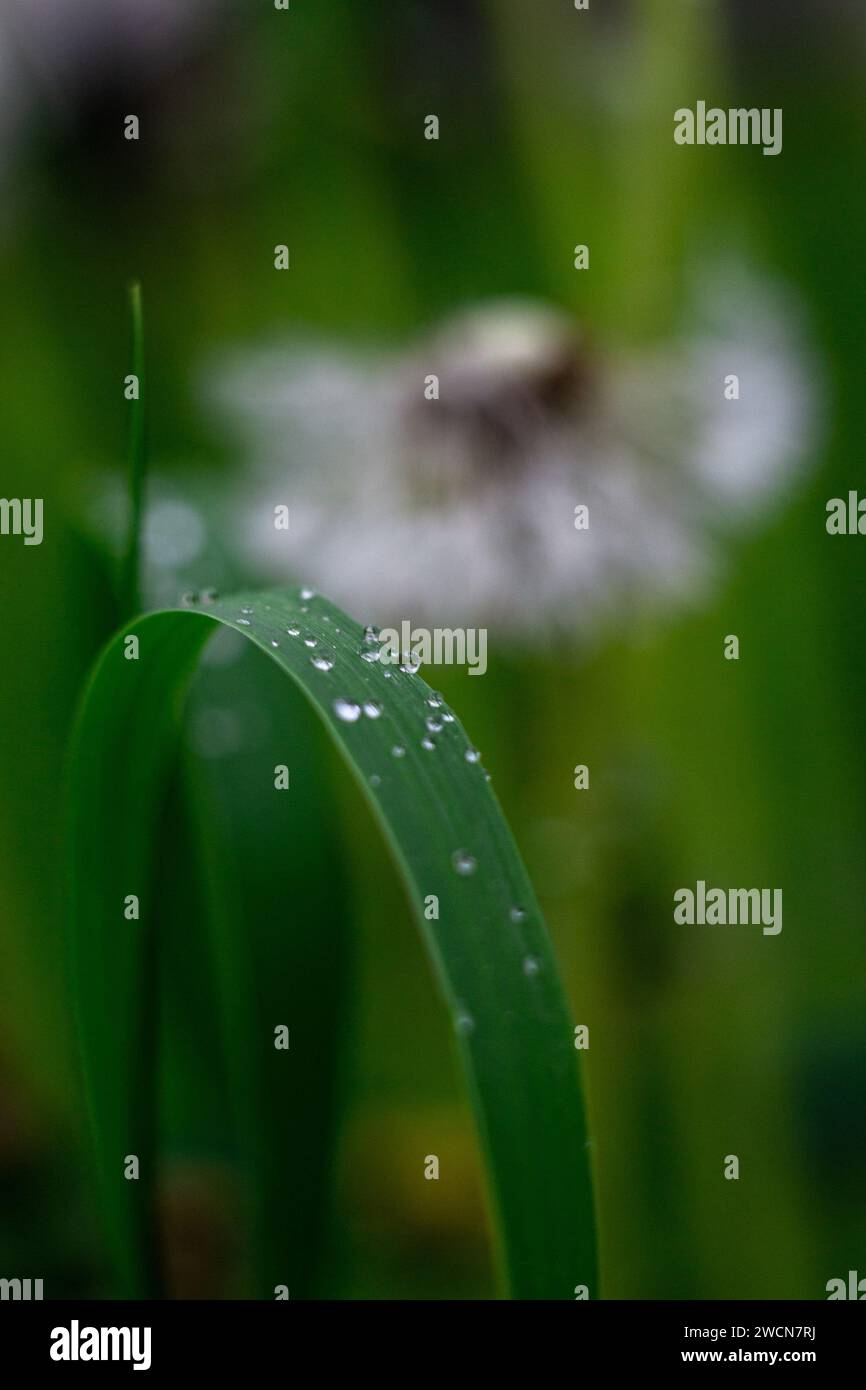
pixel 434 702
pixel 244 622
pixel 310 642
pixel 447 717
pixel 209 595
pixel 464 863
pixel 293 631
pixel 375 780
pixel 371 635
pixel 398 751
pixel 465 1024
pixel 409 663
pixel 322 663
pixel 190 598
pixel 246 609
pixel 428 744
pixel 517 914
pixel 434 725
pixel 370 655
pixel 531 965
pixel 472 755
pixel 372 709
pixel 274 643
pixel 347 710
pixel 307 594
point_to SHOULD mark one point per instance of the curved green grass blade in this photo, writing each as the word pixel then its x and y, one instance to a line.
pixel 489 946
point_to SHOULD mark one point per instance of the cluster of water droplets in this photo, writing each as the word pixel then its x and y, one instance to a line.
pixel 531 965
pixel 436 718
pixel 349 711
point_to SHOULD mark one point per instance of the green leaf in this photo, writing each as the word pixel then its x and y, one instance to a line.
pixel 489 947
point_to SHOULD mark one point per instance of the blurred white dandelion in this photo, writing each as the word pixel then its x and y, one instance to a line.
pixel 460 510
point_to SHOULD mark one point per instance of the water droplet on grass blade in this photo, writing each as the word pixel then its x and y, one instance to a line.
pixel 428 744
pixel 434 725
pixel 465 1024
pixel 310 642
pixel 372 709
pixel 472 755
pixel 531 965
pixel 464 863
pixel 306 594
pixel 347 710
pixel 517 914
pixel 322 663
pixel 293 631
pixel 398 751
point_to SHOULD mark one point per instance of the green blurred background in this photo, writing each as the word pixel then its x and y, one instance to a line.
pixel 261 127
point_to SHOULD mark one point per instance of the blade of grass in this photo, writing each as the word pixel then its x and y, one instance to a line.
pixel 488 946
pixel 271 967
pixel 131 560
